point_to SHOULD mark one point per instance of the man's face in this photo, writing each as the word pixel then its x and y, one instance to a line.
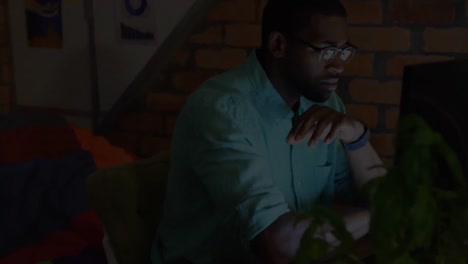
pixel 309 76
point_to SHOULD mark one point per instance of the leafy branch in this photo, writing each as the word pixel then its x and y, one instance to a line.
pixel 419 209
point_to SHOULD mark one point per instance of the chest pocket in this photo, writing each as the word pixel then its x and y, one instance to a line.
pixel 312 176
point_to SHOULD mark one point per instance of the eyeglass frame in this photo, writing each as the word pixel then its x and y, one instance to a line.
pixel 320 50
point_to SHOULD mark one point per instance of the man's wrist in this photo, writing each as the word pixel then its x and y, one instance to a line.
pixel 360 142
pixel 358 129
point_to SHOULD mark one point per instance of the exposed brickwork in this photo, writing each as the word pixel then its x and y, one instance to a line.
pixel 391 117
pixel 384 144
pixel 210 36
pixel 189 81
pixel 375 92
pixel 425 12
pixel 234 10
pixel 211 58
pixel 389 33
pixel 366 113
pixel 381 39
pixel 6 72
pixel 396 64
pixel 446 40
pixel 361 65
pixel 364 12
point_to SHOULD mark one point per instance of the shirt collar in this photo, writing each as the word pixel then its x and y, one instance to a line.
pixel 268 101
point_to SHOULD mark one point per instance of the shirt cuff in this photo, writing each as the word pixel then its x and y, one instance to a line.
pixel 257 213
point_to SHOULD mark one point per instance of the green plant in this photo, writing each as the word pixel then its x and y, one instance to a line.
pixel 314 248
pixel 419 209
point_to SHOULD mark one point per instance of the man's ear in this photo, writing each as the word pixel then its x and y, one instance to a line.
pixel 277 44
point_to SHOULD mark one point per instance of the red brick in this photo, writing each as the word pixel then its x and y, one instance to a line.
pixel 212 35
pixel 425 12
pixel 142 122
pixel 165 102
pixel 5 73
pixel 391 117
pixel 124 140
pixel 170 125
pixel 466 10
pixel 181 57
pixel 243 35
pixel 365 113
pixel 361 65
pixel 364 12
pixel 446 40
pixel 381 39
pixel 5 94
pixel 234 10
pixel 372 91
pixel 4 109
pixel 221 59
pixel 153 145
pixel 384 144
pixel 3 35
pixel 189 81
pixel 396 64
pixel 261 6
pixel 3 14
pixel 5 54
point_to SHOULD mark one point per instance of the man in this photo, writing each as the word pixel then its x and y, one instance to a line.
pixel 259 145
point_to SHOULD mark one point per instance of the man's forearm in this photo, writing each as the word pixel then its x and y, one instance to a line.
pixel 365 164
pixel 280 242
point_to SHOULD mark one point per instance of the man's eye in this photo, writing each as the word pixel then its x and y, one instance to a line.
pixel 345 54
pixel 328 54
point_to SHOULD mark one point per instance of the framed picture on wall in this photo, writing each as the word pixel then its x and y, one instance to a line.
pixel 136 21
pixel 44 23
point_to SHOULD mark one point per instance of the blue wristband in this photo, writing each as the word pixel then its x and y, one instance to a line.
pixel 361 142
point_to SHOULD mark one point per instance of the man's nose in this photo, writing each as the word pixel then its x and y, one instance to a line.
pixel 336 65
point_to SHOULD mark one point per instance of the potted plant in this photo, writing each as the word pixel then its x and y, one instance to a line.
pixel 419 210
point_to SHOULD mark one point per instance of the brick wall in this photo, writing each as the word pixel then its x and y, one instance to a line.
pixel 6 78
pixel 390 34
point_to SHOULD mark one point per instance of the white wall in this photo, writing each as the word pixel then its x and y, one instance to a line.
pixel 57 78
pixel 119 63
pixel 61 78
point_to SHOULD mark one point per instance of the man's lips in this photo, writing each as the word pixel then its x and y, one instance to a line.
pixel 333 81
pixel 330 84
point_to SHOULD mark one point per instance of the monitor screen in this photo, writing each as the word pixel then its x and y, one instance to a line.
pixel 439 93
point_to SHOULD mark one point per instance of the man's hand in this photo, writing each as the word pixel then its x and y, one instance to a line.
pixel 325 123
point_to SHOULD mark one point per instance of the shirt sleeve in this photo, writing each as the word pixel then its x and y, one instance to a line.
pixel 228 159
pixel 345 188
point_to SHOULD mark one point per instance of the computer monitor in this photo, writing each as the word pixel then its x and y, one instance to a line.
pixel 439 93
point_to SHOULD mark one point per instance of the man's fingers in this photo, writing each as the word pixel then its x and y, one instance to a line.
pixel 310 119
pixel 332 134
pixel 320 132
pixel 292 134
pixel 307 126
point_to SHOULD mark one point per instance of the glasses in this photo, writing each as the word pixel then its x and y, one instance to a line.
pixel 327 54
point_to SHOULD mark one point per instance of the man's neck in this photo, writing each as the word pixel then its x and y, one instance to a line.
pixel 278 81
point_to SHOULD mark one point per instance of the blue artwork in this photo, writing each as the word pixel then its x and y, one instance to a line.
pixel 136 21
pixel 44 23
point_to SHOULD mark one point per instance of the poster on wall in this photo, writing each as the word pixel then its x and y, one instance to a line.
pixel 136 21
pixel 44 23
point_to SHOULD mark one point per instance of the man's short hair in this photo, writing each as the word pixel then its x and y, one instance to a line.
pixel 292 16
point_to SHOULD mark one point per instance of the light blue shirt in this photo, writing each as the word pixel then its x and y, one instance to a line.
pixel 233 173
